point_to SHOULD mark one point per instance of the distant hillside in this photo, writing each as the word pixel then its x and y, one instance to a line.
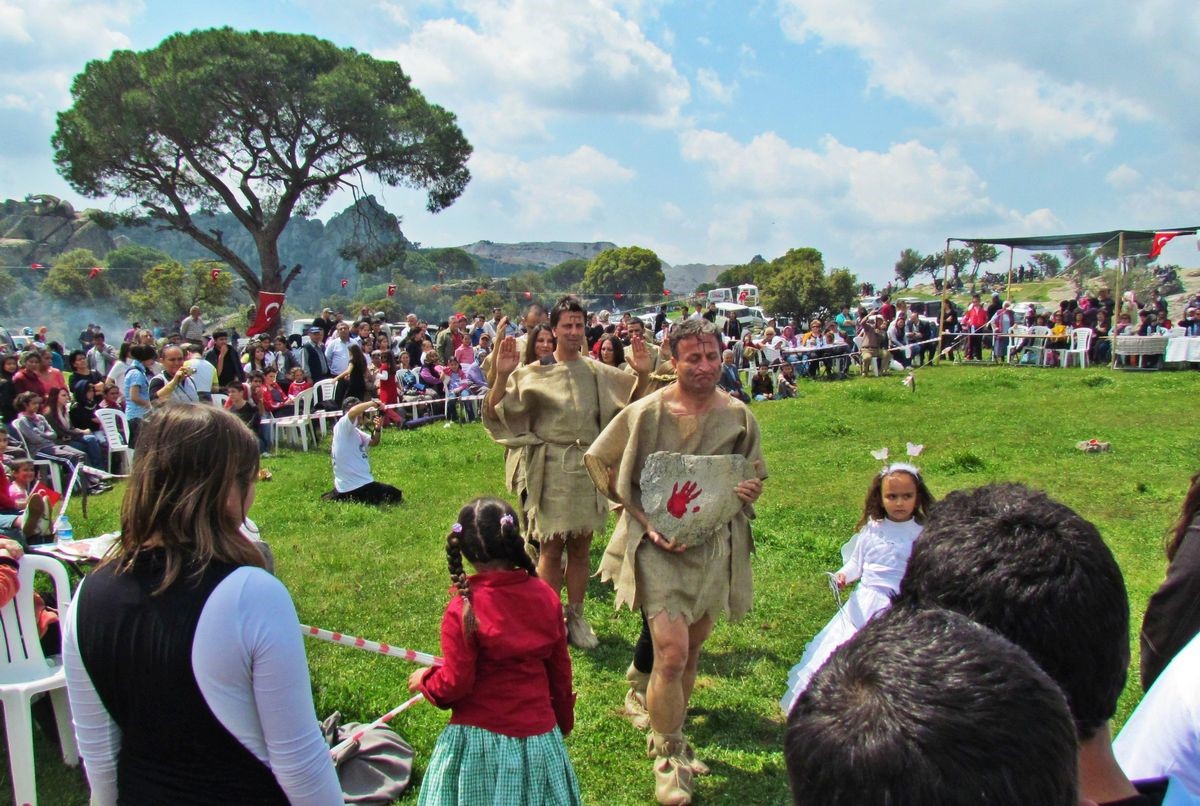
pixel 537 254
pixel 686 276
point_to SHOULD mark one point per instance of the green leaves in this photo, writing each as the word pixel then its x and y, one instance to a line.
pixel 625 270
pixel 260 124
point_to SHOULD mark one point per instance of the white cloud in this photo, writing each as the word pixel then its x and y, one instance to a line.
pixel 711 83
pixel 771 195
pixel 1063 74
pixel 1123 177
pixel 558 190
pixel 537 59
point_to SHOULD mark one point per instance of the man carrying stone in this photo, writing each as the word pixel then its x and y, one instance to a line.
pixel 680 587
pixel 550 412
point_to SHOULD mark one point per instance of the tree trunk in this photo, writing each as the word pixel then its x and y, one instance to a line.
pixel 268 259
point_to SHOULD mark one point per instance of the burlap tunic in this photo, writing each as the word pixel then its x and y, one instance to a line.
pixel 549 416
pixel 708 579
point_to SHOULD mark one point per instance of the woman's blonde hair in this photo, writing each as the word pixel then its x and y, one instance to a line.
pixel 192 460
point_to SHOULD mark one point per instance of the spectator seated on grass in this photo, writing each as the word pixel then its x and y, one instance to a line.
pixel 352 479
pixel 786 381
pixel 1034 571
pixel 762 386
pixel 928 707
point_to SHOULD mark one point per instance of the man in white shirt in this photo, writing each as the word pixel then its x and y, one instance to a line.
pixel 191 329
pixel 203 373
pixel 337 351
pixel 352 479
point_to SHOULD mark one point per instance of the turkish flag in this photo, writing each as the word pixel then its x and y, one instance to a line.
pixel 392 290
pixel 94 272
pixel 36 266
pixel 269 305
pixel 52 498
pixel 1160 240
pixel 345 283
pixel 214 274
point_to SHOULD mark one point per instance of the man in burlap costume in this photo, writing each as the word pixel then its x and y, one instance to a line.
pixel 681 590
pixel 550 412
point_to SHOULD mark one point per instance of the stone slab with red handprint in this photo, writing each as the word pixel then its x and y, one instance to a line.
pixel 689 498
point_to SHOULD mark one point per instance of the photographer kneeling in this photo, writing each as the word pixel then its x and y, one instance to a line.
pixel 352 479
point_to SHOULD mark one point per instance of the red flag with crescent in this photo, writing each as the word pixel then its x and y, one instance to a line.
pixel 265 319
pixel 214 274
pixel 391 289
pixel 94 272
pixel 36 266
pixel 345 283
pixel 1160 240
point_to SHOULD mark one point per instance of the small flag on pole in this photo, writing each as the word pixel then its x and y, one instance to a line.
pixel 345 282
pixel 215 274
pixel 391 289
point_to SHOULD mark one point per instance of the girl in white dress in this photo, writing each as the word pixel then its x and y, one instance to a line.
pixel 897 501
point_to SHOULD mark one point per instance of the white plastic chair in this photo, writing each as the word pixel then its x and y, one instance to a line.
pixel 301 423
pixel 325 390
pixel 1081 342
pixel 1038 346
pixel 116 431
pixel 1016 342
pixel 218 399
pixel 25 671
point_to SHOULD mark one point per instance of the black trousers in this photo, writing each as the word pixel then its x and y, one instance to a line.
pixel 372 493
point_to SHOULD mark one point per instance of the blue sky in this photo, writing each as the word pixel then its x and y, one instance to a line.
pixel 711 132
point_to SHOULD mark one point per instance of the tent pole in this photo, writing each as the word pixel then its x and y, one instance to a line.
pixel 937 357
pixel 1008 286
pixel 1112 326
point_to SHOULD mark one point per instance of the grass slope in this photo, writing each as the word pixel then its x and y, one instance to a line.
pixel 381 573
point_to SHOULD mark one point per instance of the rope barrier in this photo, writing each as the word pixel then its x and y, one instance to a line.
pixel 347 744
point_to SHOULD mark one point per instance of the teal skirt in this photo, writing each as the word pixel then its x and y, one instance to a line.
pixel 475 767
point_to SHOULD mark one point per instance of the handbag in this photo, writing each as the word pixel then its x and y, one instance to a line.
pixel 376 769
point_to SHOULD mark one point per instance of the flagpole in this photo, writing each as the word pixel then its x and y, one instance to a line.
pixel 937 357
pixel 1008 287
pixel 1112 326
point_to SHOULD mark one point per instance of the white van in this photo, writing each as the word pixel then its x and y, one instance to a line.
pixel 720 295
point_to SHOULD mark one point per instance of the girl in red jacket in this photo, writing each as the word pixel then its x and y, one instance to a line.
pixel 506 677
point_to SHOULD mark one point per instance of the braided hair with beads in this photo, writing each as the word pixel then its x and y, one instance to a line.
pixel 485 532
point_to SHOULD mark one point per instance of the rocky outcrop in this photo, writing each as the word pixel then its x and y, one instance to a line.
pixel 41 227
pixel 545 254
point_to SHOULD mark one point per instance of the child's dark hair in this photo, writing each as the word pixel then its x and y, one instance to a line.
pixel 486 531
pixel 873 506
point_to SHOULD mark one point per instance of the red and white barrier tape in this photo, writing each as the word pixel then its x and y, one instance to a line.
pixel 357 736
pixel 379 648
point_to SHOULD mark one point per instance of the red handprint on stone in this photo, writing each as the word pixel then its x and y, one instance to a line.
pixel 677 504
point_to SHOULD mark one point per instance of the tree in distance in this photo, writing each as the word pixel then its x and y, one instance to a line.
pixel 566 275
pixel 981 253
pixel 263 125
pixel 908 266
pixel 625 270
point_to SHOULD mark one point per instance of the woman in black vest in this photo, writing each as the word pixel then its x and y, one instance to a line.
pixel 185 665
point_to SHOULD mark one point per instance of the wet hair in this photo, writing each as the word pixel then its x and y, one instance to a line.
pixel 568 304
pixel 481 537
pixel 927 707
pixel 192 460
pixel 1033 570
pixel 618 349
pixel 1187 514
pixel 873 509
pixel 693 329
pixel 531 341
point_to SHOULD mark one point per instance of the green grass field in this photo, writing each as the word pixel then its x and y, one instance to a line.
pixel 381 573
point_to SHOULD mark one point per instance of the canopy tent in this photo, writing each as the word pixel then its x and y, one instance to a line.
pixel 1061 242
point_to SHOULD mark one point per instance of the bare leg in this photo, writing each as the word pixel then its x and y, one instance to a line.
pixel 676 655
pixel 578 568
pixel 549 565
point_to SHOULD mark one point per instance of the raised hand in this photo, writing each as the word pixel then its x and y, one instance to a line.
pixel 640 359
pixel 677 504
pixel 507 359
